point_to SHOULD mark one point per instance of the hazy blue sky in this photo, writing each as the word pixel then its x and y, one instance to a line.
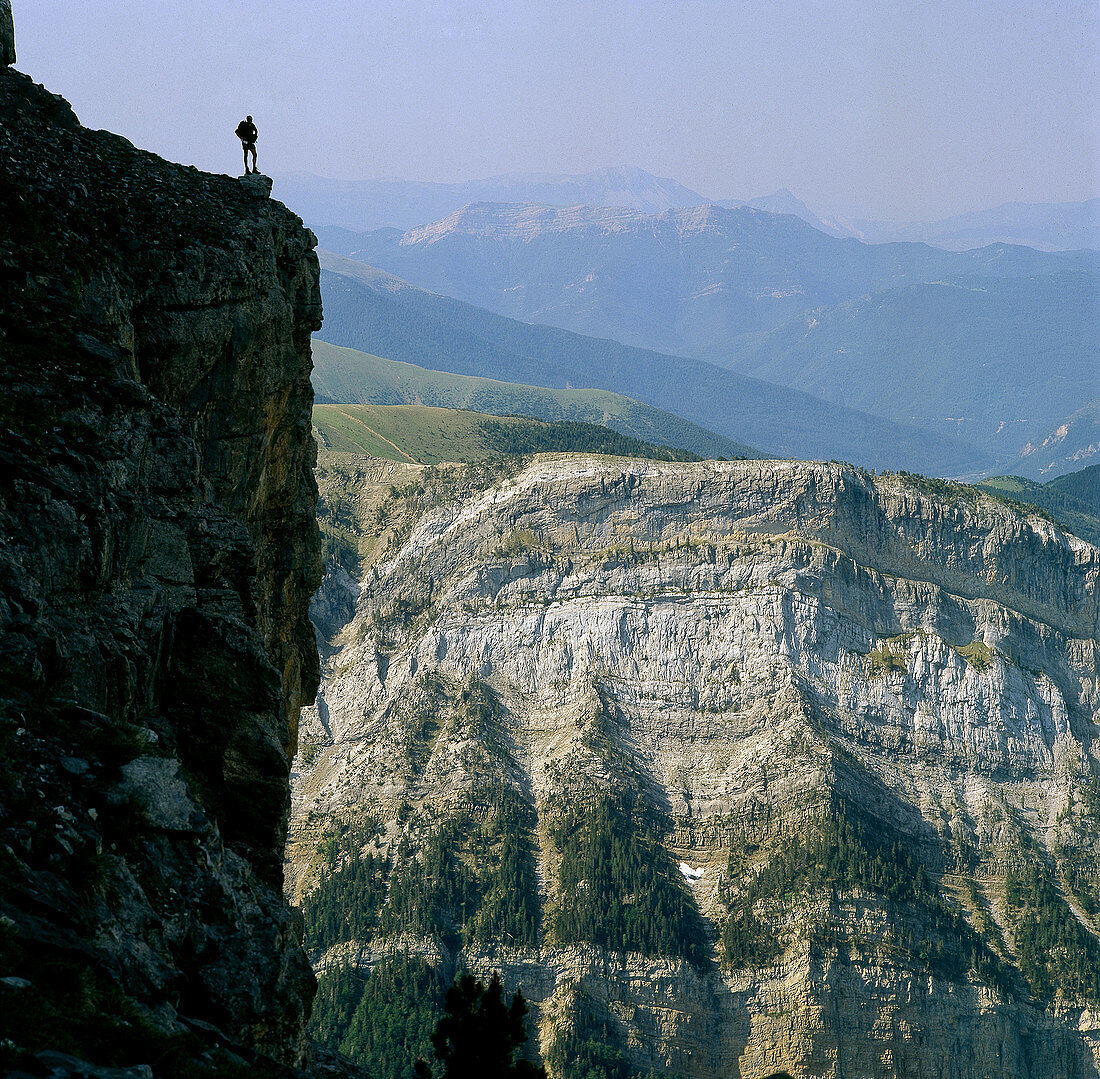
pixel 876 108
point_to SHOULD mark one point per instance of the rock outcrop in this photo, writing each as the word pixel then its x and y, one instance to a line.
pixel 158 550
pixel 802 761
pixel 7 34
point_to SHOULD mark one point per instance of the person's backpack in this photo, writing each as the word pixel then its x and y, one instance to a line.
pixel 246 132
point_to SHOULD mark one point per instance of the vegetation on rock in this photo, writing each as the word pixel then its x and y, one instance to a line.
pixel 618 885
pixel 350 892
pixel 432 435
pixel 839 855
pixel 468 879
pixel 383 1018
pixel 589 1044
pixel 1056 953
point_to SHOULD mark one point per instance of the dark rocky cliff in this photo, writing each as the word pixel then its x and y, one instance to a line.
pixel 7 34
pixel 157 554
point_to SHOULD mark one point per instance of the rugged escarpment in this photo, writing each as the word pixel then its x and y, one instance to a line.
pixel 158 550
pixel 861 712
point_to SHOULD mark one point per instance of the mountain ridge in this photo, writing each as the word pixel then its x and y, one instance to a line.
pixel 348 375
pixel 358 204
pixel 856 708
pixel 381 313
pixel 685 281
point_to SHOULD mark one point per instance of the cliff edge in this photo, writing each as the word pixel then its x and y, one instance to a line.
pixel 158 550
pixel 733 768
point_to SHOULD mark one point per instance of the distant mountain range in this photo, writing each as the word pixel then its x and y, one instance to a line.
pixel 683 281
pixel 371 204
pixel 403 204
pixel 991 349
pixel 1054 226
pixel 377 313
pixel 998 362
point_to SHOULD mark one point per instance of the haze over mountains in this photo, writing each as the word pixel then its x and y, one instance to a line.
pixel 372 311
pixel 1050 225
pixel 372 204
pixel 988 351
pixel 994 346
pixel 684 281
pixel 1012 357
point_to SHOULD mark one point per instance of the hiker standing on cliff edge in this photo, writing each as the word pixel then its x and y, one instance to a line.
pixel 247 133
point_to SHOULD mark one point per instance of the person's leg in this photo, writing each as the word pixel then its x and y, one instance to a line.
pixel 252 151
pixel 246 160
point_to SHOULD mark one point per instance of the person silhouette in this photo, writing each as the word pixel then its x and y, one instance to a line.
pixel 247 133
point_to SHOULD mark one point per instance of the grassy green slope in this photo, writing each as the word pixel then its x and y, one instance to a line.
pixel 353 377
pixel 1072 500
pixel 368 309
pixel 428 435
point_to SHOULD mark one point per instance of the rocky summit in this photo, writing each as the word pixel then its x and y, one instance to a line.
pixel 158 550
pixel 732 767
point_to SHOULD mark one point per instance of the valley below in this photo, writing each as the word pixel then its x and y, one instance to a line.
pixel 731 767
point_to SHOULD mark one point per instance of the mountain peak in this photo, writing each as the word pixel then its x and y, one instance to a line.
pixel 784 201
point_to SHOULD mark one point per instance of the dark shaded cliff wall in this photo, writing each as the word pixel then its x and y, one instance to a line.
pixel 7 34
pixel 157 554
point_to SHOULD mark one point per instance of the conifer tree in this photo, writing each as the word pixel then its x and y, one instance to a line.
pixel 479 1035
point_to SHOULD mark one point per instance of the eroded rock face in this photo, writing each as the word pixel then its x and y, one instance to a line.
pixel 7 34
pixel 158 550
pixel 883 690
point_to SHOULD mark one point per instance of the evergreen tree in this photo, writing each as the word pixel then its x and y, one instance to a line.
pixel 479 1034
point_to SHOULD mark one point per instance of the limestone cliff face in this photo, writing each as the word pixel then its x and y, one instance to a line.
pixel 861 710
pixel 158 550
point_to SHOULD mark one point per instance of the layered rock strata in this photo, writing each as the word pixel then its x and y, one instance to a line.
pixel 803 761
pixel 158 550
